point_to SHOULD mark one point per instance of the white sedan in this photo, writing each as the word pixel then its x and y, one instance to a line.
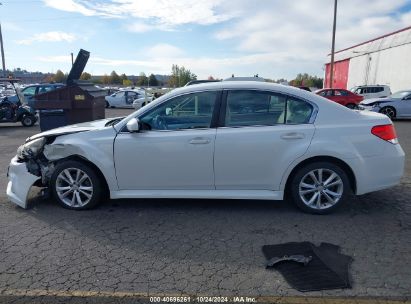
pixel 124 98
pixel 141 101
pixel 230 140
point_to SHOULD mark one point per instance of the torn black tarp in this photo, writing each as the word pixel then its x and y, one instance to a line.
pixel 327 268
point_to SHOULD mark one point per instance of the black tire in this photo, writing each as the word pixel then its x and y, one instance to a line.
pixel 28 120
pixel 351 106
pixel 93 181
pixel 303 175
pixel 107 105
pixel 389 111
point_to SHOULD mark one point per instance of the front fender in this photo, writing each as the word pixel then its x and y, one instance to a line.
pixel 95 146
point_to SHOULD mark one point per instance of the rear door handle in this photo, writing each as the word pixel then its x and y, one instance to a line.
pixel 199 141
pixel 293 135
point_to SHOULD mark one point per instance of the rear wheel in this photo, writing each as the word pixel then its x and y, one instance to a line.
pixel 28 120
pixel 319 188
pixel 389 111
pixel 75 185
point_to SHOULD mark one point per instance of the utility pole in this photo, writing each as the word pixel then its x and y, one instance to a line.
pixel 333 45
pixel 72 60
pixel 2 53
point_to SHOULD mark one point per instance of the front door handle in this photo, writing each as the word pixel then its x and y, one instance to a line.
pixel 293 135
pixel 199 141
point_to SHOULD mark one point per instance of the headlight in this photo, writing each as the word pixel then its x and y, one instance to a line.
pixel 32 148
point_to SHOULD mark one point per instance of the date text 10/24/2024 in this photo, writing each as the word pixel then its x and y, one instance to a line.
pixel 201 299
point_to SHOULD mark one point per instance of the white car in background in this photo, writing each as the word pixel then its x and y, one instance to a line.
pixel 124 98
pixel 225 140
pixel 142 101
pixel 372 91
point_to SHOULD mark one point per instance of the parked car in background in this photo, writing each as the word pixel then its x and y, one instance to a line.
pixel 397 105
pixel 124 98
pixel 341 96
pixel 304 88
pixel 28 92
pixel 141 101
pixel 199 142
pixel 372 91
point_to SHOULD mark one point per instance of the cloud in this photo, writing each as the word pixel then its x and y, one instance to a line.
pixel 270 37
pixel 86 8
pixel 302 29
pixel 139 27
pixel 54 36
pixel 164 15
pixel 11 27
pixel 164 50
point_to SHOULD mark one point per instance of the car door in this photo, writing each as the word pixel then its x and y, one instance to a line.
pixel 174 149
pixel 118 99
pixel 261 135
pixel 130 96
pixel 403 107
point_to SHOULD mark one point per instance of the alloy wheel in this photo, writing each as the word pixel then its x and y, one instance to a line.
pixel 74 187
pixel 321 188
pixel 388 111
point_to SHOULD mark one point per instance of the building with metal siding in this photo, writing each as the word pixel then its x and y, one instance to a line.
pixel 383 60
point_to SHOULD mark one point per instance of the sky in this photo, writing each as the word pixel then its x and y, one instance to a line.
pixel 274 39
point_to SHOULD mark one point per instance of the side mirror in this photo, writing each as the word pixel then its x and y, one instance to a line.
pixel 133 125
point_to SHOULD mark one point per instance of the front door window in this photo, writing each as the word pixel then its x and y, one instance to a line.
pixel 190 111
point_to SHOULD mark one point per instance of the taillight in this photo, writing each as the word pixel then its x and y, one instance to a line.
pixel 385 132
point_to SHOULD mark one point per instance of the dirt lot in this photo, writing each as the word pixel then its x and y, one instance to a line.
pixel 125 251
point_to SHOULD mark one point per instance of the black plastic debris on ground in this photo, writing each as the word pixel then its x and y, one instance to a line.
pixel 327 268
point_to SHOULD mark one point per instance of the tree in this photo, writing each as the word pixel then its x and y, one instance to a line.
pixel 142 79
pixel 210 78
pixel 115 79
pixel 123 77
pixel 59 76
pixel 152 80
pixel 106 79
pixel 307 81
pixel 85 76
pixel 127 83
pixel 180 76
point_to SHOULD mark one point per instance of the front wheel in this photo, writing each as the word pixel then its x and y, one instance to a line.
pixel 75 185
pixel 28 120
pixel 319 188
pixel 351 106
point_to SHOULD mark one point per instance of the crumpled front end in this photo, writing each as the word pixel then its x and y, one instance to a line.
pixel 20 182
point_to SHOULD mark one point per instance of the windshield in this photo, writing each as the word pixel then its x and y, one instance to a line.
pixel 400 94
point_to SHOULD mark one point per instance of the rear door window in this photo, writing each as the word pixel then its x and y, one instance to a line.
pixel 256 108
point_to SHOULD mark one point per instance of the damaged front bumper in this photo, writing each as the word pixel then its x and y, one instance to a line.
pixel 20 182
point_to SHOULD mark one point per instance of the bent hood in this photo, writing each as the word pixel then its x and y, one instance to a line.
pixel 81 127
pixel 375 100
